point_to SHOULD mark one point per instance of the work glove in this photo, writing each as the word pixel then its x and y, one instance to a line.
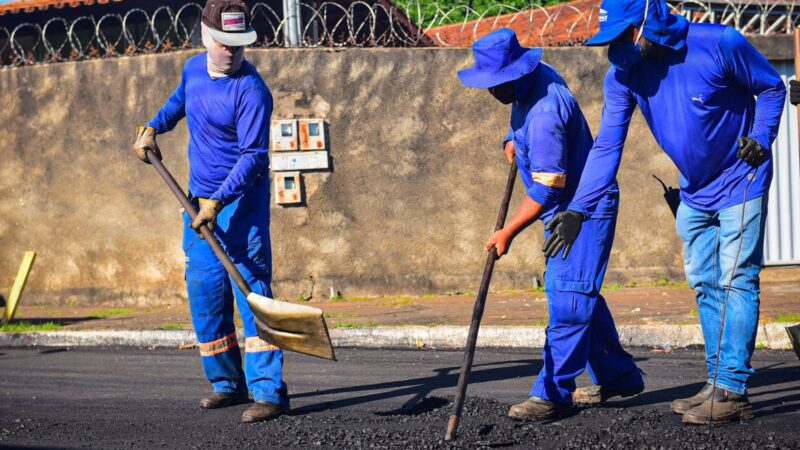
pixel 146 143
pixel 794 92
pixel 564 229
pixel 672 196
pixel 751 152
pixel 209 209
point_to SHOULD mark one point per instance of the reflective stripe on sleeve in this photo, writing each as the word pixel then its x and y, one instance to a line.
pixel 556 180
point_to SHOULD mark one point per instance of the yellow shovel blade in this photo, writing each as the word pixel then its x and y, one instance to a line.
pixel 289 326
pixel 19 285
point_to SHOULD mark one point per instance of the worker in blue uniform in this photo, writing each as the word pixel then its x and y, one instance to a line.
pixel 713 104
pixel 227 107
pixel 550 140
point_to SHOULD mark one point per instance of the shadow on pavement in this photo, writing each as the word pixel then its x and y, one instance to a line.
pixel 421 387
pixel 776 374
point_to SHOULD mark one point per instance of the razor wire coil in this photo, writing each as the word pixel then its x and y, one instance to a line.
pixel 356 24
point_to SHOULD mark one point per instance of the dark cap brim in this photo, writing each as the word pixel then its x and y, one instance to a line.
pixel 607 35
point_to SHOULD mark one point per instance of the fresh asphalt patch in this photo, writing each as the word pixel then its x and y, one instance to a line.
pixel 136 398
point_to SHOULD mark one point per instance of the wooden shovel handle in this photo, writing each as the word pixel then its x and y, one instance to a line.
pixel 477 313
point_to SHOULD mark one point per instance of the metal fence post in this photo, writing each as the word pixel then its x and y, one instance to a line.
pixel 292 23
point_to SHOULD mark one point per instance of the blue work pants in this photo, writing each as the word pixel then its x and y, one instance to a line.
pixel 581 332
pixel 243 229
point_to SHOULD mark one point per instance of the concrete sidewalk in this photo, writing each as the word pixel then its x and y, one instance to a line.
pixel 659 337
pixel 663 316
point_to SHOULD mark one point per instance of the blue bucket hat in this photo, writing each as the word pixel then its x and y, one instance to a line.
pixel 499 59
pixel 660 26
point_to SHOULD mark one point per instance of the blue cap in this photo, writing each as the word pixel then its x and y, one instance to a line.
pixel 661 27
pixel 615 17
pixel 499 59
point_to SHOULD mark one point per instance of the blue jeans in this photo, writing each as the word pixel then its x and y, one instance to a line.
pixel 243 229
pixel 710 243
pixel 581 332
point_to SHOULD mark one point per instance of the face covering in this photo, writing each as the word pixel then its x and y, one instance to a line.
pixel 504 93
pixel 220 62
pixel 624 55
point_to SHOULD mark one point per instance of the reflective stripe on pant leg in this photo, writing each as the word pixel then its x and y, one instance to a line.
pixel 256 344
pixel 211 306
pixel 220 345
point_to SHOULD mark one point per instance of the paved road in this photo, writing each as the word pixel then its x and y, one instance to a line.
pixel 126 398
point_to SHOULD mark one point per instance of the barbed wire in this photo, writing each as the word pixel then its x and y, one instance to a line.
pixel 357 24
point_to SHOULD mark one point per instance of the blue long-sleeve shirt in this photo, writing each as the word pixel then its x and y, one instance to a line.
pixel 551 137
pixel 228 120
pixel 697 102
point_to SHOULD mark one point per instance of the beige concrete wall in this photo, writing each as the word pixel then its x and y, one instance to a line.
pixel 418 175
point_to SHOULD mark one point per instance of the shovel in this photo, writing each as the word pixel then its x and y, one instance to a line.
pixel 288 326
pixel 477 314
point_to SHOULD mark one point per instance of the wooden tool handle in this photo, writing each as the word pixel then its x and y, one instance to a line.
pixel 477 313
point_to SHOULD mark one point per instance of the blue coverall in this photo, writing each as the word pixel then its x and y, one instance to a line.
pixel 698 100
pixel 228 120
pixel 552 141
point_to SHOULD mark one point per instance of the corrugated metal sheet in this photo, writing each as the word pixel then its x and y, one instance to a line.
pixel 782 240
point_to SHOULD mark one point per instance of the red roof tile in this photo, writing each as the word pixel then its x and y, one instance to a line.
pixel 564 24
pixel 33 5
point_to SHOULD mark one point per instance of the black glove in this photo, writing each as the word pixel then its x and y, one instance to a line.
pixel 794 92
pixel 672 196
pixel 751 152
pixel 565 228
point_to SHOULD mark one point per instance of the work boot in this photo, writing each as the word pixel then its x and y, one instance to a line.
pixel 682 405
pixel 261 411
pixel 593 395
pixel 539 409
pixel 727 406
pixel 223 400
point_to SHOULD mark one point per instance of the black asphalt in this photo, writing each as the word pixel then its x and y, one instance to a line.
pixel 126 398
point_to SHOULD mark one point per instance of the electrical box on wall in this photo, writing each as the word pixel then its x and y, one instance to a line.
pixel 284 135
pixel 297 145
pixel 288 188
pixel 306 160
pixel 312 134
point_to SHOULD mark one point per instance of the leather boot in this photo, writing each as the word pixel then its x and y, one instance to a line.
pixel 727 406
pixel 682 405
pixel 593 395
pixel 223 400
pixel 261 411
pixel 539 409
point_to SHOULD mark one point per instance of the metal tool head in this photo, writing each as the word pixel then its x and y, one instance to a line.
pixel 794 338
pixel 289 326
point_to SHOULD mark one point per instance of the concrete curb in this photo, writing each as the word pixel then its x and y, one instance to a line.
pixel 771 335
